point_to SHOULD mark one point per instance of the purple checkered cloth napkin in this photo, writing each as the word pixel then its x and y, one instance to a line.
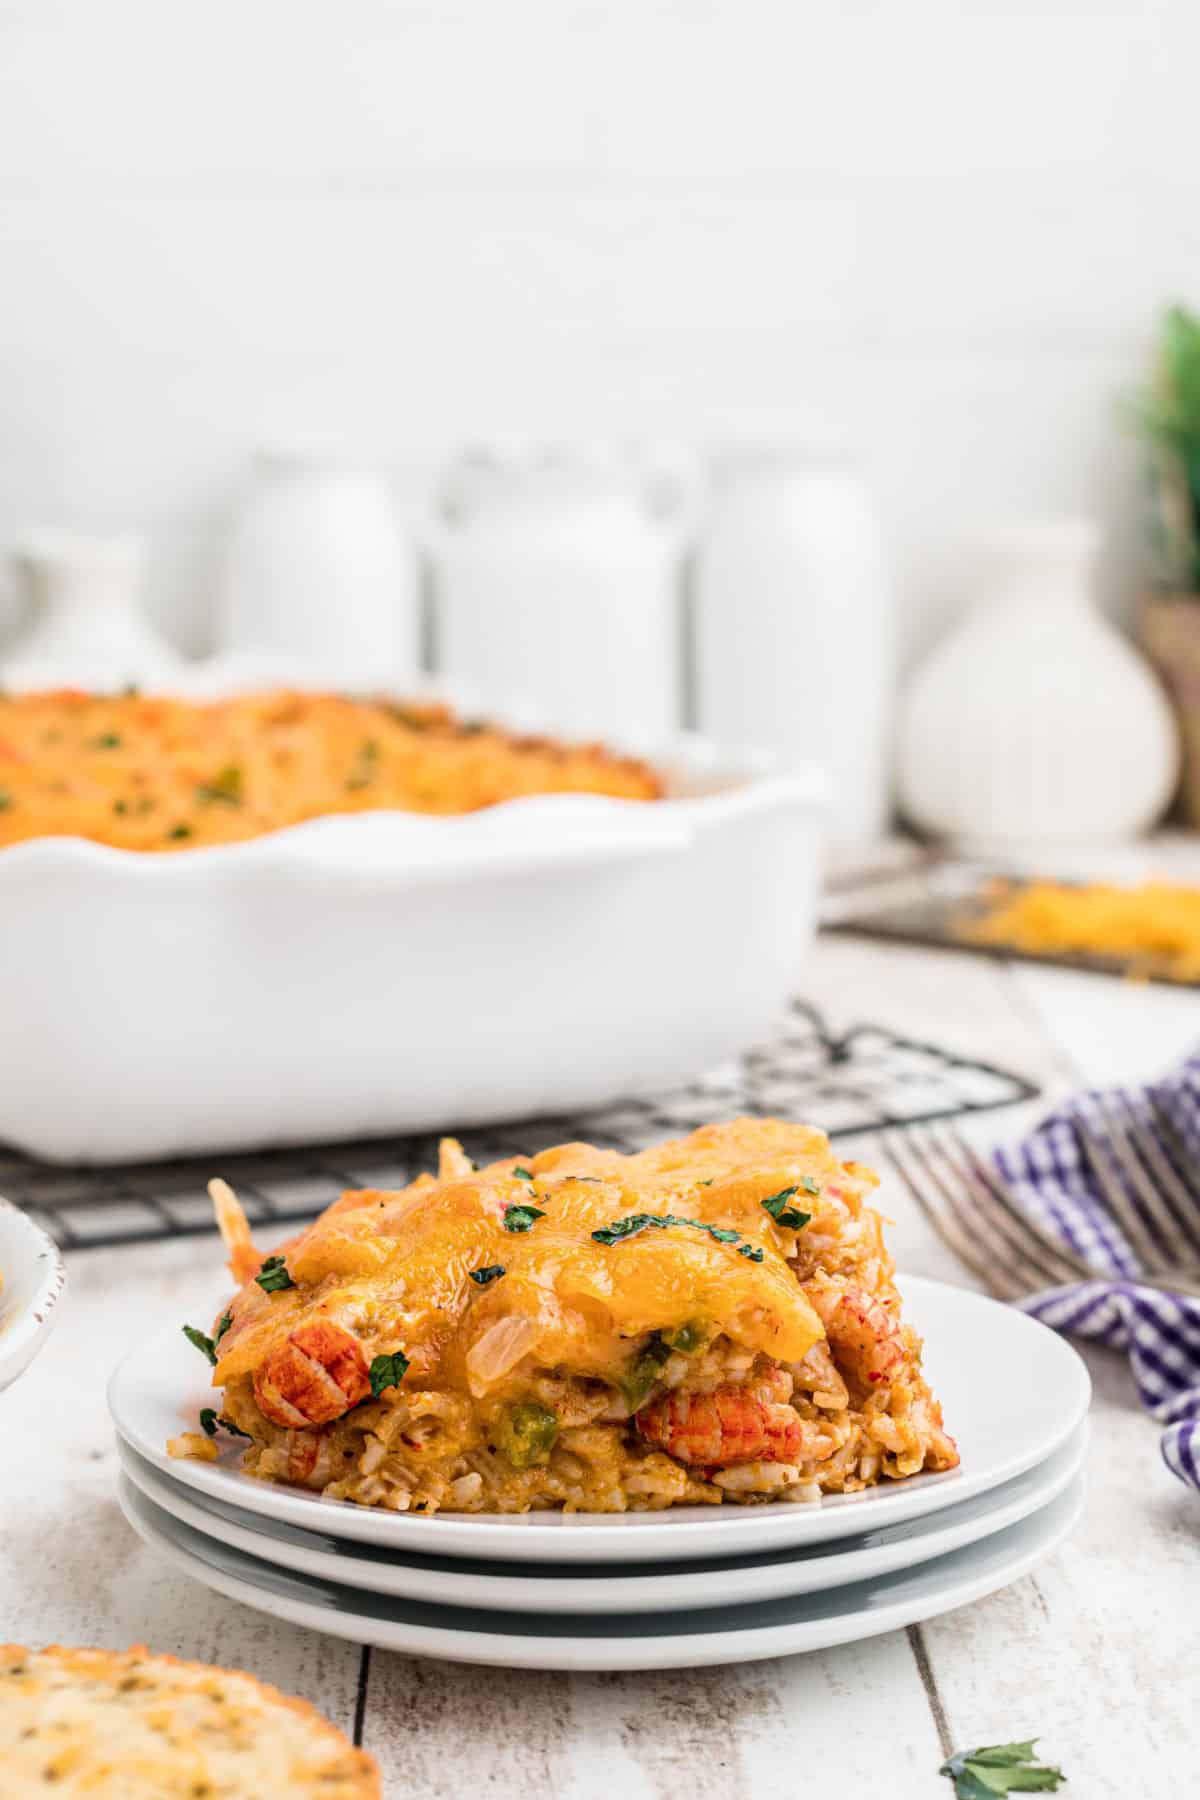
pixel 1050 1177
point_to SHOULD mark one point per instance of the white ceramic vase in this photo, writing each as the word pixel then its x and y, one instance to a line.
pixel 86 627
pixel 319 572
pixel 793 625
pixel 557 587
pixel 1035 722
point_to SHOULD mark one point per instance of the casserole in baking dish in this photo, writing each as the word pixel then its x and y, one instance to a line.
pixel 381 971
pixel 713 1319
pixel 157 773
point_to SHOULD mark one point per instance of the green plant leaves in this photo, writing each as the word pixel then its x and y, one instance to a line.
pixel 1167 416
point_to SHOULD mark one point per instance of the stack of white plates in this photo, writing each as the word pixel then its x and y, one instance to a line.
pixel 641 1590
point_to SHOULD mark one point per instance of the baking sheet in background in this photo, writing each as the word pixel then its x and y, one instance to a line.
pixel 922 897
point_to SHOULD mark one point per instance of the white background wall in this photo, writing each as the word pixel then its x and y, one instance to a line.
pixel 940 229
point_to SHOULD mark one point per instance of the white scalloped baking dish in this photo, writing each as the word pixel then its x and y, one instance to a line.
pixel 385 972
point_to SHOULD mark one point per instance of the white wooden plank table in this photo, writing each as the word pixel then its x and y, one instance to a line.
pixel 1098 1652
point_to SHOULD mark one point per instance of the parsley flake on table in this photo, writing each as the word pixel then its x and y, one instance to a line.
pixel 481 1277
pixel 782 1213
pixel 998 1769
pixel 520 1218
pixel 387 1371
pixel 204 1344
pixel 273 1276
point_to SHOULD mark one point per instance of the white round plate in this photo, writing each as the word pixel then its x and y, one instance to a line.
pixel 615 1587
pixel 667 1640
pixel 32 1278
pixel 1012 1391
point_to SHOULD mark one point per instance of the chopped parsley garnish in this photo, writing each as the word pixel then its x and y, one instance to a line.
pixel 204 1344
pixel 364 768
pixel 387 1371
pixel 493 1272
pixel 782 1213
pixel 273 1276
pixel 750 1252
pixel 223 1324
pixel 6 799
pixel 107 740
pixel 626 1227
pixel 635 1222
pixel 225 788
pixel 210 1420
pixel 998 1769
pixel 403 716
pixel 522 1173
pixel 520 1218
pixel 180 831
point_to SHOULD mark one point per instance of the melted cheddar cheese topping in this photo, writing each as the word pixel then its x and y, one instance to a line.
pixel 146 773
pixel 395 1268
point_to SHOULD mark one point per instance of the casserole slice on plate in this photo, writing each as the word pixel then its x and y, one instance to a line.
pixel 711 1320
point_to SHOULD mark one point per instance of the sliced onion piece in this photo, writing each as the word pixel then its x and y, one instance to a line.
pixel 497 1351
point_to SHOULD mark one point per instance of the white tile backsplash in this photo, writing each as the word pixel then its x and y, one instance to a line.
pixel 942 231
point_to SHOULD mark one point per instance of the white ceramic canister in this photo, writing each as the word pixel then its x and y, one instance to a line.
pixel 86 626
pixel 557 588
pixel 320 572
pixel 793 624
pixel 1035 722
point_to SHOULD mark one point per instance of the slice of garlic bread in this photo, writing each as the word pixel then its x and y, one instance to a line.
pixel 127 1725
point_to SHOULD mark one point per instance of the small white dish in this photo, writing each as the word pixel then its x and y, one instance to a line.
pixel 1013 1393
pixel 661 1640
pixel 615 1587
pixel 32 1279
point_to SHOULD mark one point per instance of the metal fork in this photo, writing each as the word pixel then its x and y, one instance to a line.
pixel 974 1212
pixel 1165 1231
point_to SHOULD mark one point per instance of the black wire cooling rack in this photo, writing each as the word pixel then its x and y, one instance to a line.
pixel 864 1080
